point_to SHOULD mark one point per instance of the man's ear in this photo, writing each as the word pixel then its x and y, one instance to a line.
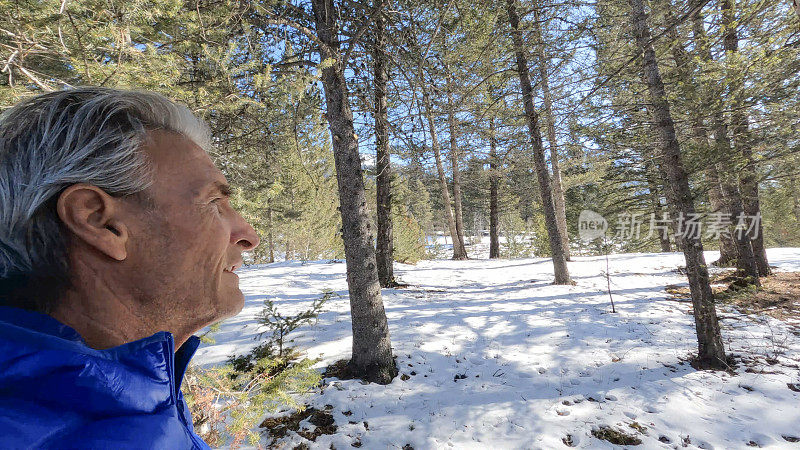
pixel 93 217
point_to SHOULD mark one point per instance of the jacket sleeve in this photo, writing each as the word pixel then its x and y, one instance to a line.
pixel 129 432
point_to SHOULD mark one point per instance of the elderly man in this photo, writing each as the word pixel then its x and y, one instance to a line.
pixel 117 243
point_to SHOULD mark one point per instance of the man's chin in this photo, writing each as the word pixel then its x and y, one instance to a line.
pixel 235 303
pixel 239 302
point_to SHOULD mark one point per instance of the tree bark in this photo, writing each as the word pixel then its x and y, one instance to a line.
pixel 752 204
pixel 454 162
pixel 458 252
pixel 745 259
pixel 384 251
pixel 551 222
pixel 740 128
pixel 663 238
pixel 727 247
pixel 658 208
pixel 372 351
pixel 711 352
pixel 795 197
pixel 672 210
pixel 494 183
pixel 722 193
pixel 269 235
pixel 726 170
pixel 558 190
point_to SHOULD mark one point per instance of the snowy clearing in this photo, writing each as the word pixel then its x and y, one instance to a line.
pixel 496 356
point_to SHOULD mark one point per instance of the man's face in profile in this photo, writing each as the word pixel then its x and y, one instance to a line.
pixel 186 244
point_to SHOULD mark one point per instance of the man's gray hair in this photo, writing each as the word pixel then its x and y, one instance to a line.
pixel 49 142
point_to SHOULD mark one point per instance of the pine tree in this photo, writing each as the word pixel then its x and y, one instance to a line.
pixel 372 353
pixel 711 352
pixel 544 77
pixel 384 248
pixel 556 243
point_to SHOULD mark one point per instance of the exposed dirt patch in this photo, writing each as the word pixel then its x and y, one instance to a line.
pixel 615 436
pixel 720 282
pixel 322 420
pixel 638 427
pixel 732 361
pixel 779 296
pixel 678 293
pixel 373 373
pixel 340 369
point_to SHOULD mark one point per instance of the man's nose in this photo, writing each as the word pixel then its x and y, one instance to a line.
pixel 243 234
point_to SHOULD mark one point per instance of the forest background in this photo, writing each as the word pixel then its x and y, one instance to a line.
pixel 363 130
pixel 454 106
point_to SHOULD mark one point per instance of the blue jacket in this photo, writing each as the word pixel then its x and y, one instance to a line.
pixel 56 392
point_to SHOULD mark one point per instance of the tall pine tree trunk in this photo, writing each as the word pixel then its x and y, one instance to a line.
pixel 270 240
pixel 658 208
pixel 752 204
pixel 454 162
pixel 683 67
pixel 372 350
pixel 663 238
pixel 543 175
pixel 383 183
pixel 795 197
pixel 727 174
pixel 458 251
pixel 558 190
pixel 711 352
pixel 727 247
pixel 740 127
pixel 745 259
pixel 494 185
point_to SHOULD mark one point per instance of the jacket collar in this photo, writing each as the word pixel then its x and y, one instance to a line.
pixel 46 325
pixel 38 322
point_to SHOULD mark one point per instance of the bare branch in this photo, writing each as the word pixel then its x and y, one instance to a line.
pixel 36 81
pixel 309 33
pixel 435 32
pixel 363 28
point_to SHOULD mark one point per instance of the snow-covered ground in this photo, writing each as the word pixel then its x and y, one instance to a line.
pixel 497 357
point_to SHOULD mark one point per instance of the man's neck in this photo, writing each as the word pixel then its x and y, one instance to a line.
pixel 103 321
pixel 104 315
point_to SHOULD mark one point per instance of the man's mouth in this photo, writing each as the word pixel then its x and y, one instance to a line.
pixel 232 268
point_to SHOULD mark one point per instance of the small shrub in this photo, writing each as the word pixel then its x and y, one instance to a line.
pixel 434 250
pixel 281 325
pixel 517 242
pixel 227 405
pixel 206 338
pixel 409 239
pixel 228 402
